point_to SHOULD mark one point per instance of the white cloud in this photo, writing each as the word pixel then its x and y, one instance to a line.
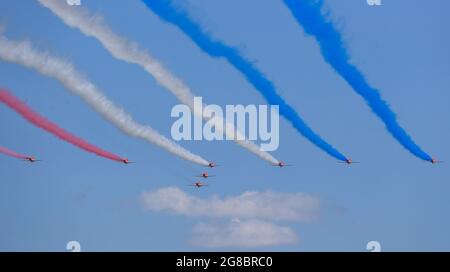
pixel 251 205
pixel 246 233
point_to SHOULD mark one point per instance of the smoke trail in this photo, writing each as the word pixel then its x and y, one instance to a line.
pixel 308 14
pixel 11 153
pixel 39 121
pixel 63 71
pixel 127 51
pixel 169 13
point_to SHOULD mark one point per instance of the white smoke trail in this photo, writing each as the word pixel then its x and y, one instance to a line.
pixel 63 71
pixel 127 51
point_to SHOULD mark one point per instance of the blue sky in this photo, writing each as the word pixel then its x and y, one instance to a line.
pixel 391 197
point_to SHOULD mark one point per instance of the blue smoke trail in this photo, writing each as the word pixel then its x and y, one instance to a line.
pixel 308 14
pixel 169 13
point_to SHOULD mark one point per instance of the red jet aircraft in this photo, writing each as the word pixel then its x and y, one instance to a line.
pixel 198 184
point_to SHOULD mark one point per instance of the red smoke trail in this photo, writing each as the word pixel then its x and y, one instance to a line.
pixel 33 117
pixel 11 153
